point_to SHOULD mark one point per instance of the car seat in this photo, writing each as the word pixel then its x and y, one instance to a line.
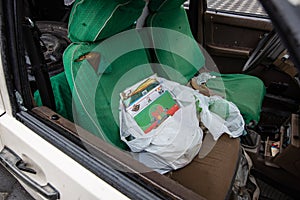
pixel 93 21
pixel 96 77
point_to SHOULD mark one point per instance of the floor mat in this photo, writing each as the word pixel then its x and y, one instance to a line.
pixel 268 192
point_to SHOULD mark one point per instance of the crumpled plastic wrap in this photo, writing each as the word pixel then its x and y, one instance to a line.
pixel 178 140
pixel 68 2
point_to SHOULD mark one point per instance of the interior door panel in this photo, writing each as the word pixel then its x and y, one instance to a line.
pixel 229 38
pixel 229 30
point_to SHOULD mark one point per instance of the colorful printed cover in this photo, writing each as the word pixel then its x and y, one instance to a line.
pixel 149 104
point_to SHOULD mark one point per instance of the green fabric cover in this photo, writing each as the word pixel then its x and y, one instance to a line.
pixel 95 94
pixel 246 92
pixel 62 94
pixel 164 5
pixel 173 16
pixel 96 89
pixel 92 20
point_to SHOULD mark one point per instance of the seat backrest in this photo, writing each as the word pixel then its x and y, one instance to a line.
pixel 126 54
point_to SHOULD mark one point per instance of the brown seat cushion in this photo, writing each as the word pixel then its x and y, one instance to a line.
pixel 213 175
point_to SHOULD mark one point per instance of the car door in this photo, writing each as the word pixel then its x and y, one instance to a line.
pixel 45 171
pixel 2 108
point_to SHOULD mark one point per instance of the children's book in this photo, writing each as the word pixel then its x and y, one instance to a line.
pixel 150 104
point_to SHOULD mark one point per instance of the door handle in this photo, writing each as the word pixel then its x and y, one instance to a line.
pixel 23 166
pixel 11 161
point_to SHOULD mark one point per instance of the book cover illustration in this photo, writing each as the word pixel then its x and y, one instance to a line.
pixel 149 104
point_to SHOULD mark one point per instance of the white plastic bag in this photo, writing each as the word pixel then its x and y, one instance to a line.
pixel 233 124
pixel 175 142
pixel 68 2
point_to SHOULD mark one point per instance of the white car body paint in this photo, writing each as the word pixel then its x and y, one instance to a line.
pixel 68 177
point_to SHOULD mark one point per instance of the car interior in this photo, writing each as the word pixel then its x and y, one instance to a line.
pixel 256 72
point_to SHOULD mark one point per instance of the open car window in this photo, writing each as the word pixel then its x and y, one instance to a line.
pixel 71 76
